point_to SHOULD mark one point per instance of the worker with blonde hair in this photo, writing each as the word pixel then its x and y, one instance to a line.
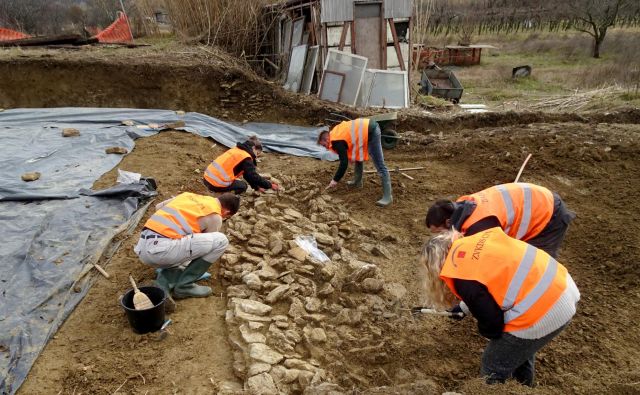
pixel 520 295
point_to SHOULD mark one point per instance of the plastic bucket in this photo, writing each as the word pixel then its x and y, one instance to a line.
pixel 148 320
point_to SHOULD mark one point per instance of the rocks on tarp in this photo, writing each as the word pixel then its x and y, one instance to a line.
pixel 31 176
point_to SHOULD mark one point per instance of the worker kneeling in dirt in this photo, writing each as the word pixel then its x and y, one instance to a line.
pixel 524 211
pixel 354 141
pixel 520 296
pixel 240 161
pixel 185 228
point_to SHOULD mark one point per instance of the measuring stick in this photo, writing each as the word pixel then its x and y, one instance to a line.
pixel 441 313
pixel 406 169
pixel 522 167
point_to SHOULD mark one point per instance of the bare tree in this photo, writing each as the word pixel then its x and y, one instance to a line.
pixel 595 17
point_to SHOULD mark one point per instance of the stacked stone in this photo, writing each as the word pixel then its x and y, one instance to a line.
pixel 286 310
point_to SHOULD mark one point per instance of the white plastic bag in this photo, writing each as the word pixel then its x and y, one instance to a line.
pixel 127 177
pixel 308 243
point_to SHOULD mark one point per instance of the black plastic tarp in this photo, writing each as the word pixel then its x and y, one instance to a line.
pixel 54 228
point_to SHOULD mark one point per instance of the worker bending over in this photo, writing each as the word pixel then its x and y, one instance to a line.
pixel 520 296
pixel 183 239
pixel 524 211
pixel 354 141
pixel 222 175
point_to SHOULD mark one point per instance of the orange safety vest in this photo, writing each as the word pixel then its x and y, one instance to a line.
pixel 356 134
pixel 524 281
pixel 219 173
pixel 179 217
pixel 522 209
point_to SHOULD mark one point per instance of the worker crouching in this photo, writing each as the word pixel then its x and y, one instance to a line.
pixel 222 175
pixel 354 141
pixel 520 296
pixel 183 239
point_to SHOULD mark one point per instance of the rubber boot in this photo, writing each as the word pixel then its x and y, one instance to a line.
pixel 166 279
pixel 386 192
pixel 357 175
pixel 186 287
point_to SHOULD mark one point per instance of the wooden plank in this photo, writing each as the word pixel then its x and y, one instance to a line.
pixel 353 37
pixel 396 44
pixel 343 35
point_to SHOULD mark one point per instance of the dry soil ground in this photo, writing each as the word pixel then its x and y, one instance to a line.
pixel 591 160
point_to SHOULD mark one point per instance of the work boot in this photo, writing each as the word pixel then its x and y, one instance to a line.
pixel 166 280
pixel 191 291
pixel 185 285
pixel 357 175
pixel 386 191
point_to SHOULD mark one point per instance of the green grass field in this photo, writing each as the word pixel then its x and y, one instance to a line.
pixel 562 65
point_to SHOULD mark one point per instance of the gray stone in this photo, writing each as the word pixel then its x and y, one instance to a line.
pixel 379 250
pixel 293 213
pixel 263 353
pixel 315 335
pixel 326 290
pixel 229 388
pixel 324 239
pixel 366 271
pixel 261 384
pixel 251 317
pixel 372 285
pixel 298 253
pixel 257 368
pixel 253 281
pixel 296 310
pixel 251 306
pixel 277 293
pixel 394 292
pixel 293 363
pixel 267 272
pixel 238 291
pixel 276 247
pixel 313 304
pixel 250 336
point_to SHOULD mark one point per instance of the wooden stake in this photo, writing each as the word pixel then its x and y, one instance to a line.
pixel 405 169
pixel 406 175
pixel 522 167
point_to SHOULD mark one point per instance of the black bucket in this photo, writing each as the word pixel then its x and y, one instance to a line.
pixel 148 320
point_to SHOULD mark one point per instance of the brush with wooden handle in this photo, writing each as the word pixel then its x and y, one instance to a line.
pixel 140 300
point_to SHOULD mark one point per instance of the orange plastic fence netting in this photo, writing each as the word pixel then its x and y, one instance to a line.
pixel 8 35
pixel 117 32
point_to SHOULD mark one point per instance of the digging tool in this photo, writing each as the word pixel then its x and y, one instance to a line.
pixel 140 300
pixel 415 311
pixel 522 167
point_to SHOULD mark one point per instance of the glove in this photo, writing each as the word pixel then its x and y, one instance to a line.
pixel 332 184
pixel 275 186
pixel 458 313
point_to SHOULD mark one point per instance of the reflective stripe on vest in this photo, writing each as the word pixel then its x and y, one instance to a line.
pixel 523 280
pixel 219 173
pixel 522 209
pixel 179 217
pixel 356 134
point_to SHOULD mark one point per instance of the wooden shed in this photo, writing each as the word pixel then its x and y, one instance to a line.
pixel 375 29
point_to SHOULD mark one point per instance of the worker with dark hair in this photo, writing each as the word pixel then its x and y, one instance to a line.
pixel 222 175
pixel 354 141
pixel 524 211
pixel 183 239
pixel 521 296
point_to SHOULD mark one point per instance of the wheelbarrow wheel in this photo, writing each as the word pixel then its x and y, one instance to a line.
pixel 455 101
pixel 389 139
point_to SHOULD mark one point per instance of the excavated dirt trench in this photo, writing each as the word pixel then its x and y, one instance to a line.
pixel 342 326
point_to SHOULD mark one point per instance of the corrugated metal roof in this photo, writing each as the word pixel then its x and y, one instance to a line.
pixel 342 10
